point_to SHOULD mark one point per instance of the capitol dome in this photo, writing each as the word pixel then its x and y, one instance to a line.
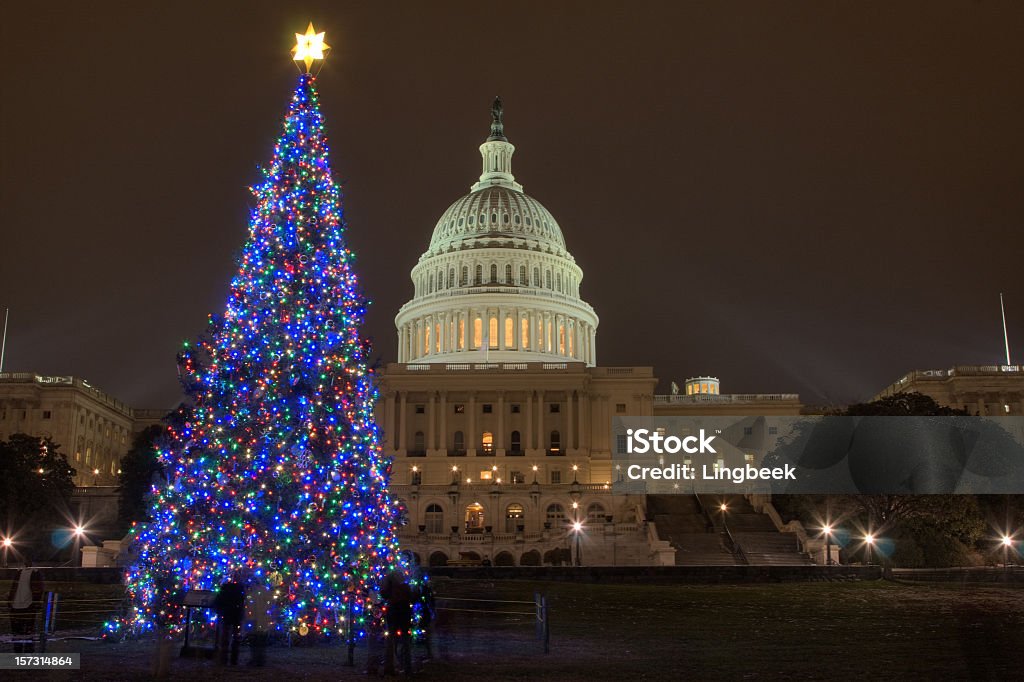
pixel 496 283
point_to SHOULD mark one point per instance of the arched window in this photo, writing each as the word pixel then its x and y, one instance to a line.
pixel 440 280
pixel 524 333
pixel 492 333
pixel 451 278
pixel 478 332
pixel 430 287
pixel 418 443
pixel 434 519
pixel 596 513
pixel 514 517
pixel 558 282
pixel 487 443
pixel 474 518
pixel 494 273
pixel 556 443
pixel 508 274
pixel 459 443
pixel 522 275
pixel 517 443
pixel 547 279
pixel 465 276
pixel 536 277
pixel 479 275
pixel 510 333
pixel 556 515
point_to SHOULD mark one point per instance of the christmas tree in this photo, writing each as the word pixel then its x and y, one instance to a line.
pixel 274 469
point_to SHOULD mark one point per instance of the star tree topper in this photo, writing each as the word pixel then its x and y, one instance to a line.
pixel 309 47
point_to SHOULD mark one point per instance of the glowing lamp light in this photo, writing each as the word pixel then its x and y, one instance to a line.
pixel 79 530
pixel 723 507
pixel 8 542
pixel 534 467
pixel 869 538
pixel 826 529
pixel 1007 541
pixel 309 46
pixel 577 527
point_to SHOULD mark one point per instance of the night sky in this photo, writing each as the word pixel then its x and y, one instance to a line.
pixel 796 197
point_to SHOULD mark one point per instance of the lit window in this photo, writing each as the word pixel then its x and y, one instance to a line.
pixel 478 333
pixel 485 475
pixel 524 325
pixel 509 333
pixel 487 442
pixel 492 332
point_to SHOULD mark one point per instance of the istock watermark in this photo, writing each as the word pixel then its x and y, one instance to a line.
pixel 818 455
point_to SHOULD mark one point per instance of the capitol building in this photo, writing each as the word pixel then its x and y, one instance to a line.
pixel 497 414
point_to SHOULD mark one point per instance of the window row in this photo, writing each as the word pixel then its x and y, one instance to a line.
pixel 565 336
pixel 561 281
pixel 474 518
pixel 486 444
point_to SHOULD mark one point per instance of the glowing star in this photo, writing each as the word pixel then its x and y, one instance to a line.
pixel 309 47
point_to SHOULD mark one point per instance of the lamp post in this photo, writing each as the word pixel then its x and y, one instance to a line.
pixel 577 528
pixel 869 542
pixel 7 547
pixel 827 532
pixel 1007 542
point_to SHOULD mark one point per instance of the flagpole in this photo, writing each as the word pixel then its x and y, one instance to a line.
pixel 1006 338
pixel 3 345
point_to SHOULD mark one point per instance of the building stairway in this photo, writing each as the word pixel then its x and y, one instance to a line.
pixel 704 534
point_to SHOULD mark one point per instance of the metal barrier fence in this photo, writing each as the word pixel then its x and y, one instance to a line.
pixel 540 612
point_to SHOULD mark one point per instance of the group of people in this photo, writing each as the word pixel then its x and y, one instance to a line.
pixel 399 599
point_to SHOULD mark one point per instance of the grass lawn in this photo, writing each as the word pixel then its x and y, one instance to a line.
pixel 872 630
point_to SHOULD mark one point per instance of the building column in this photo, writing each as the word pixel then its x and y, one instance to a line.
pixel 471 442
pixel 585 421
pixel 431 445
pixel 501 328
pixel 443 411
pixel 540 421
pixel 499 440
pixel 400 435
pixel 568 421
pixel 528 444
pixel 389 422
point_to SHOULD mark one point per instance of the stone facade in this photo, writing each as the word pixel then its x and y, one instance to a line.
pixel 93 429
pixel 990 390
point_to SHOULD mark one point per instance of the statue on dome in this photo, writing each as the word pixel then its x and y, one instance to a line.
pixel 497 127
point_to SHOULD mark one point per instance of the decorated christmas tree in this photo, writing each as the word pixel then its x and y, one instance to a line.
pixel 274 469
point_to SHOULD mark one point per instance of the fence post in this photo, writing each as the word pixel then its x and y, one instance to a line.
pixel 49 617
pixel 547 626
pixel 540 602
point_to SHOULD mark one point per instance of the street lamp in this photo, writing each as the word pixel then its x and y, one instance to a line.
pixel 1007 543
pixel 577 528
pixel 869 542
pixel 827 532
pixel 7 546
